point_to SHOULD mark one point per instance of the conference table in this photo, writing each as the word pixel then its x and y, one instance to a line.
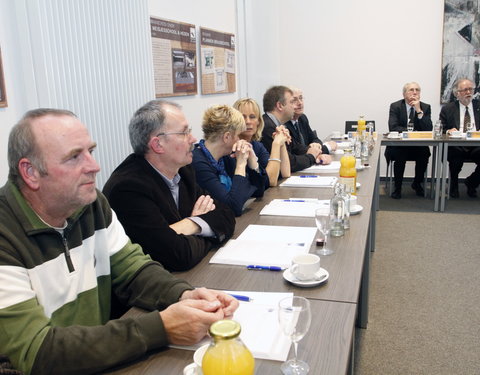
pixel 338 305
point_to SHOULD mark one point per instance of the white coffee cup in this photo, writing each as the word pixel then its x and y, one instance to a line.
pixel 336 134
pixel 358 163
pixel 305 266
pixel 456 133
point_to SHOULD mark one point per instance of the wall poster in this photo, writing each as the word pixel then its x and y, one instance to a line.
pixel 3 93
pixel 217 61
pixel 174 57
pixel 461 45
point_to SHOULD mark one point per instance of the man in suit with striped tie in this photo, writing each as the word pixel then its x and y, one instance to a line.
pixel 463 114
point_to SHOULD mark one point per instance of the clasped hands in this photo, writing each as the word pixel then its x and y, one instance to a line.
pixel 282 135
pixel 187 321
pixel 243 152
pixel 315 149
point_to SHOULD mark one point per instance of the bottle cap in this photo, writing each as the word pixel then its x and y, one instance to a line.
pixel 225 329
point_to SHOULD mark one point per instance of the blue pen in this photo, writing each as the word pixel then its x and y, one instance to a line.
pixel 308 176
pixel 241 298
pixel 293 200
pixel 265 268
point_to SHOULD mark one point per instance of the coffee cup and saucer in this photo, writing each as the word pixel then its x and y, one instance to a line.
pixel 305 271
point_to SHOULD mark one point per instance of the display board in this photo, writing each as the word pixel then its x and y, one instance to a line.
pixel 217 61
pixel 174 57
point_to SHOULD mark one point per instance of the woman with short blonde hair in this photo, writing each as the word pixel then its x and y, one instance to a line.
pixel 225 165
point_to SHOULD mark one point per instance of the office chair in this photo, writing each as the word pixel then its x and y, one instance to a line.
pixel 351 126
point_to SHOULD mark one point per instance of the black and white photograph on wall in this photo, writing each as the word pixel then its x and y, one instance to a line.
pixel 461 45
pixel 3 94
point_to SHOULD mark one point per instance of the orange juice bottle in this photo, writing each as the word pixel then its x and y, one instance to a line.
pixel 361 125
pixel 348 172
pixel 227 354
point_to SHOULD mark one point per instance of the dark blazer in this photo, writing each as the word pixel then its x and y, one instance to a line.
pixel 296 152
pixel 398 118
pixel 450 115
pixel 145 206
pixel 308 134
pixel 243 188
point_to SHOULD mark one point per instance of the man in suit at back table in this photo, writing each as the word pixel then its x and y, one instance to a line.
pixel 409 109
pixel 457 115
pixel 299 126
pixel 278 104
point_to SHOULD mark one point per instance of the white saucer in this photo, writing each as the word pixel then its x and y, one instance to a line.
pixel 198 355
pixel 356 209
pixel 287 275
pixel 394 136
pixel 457 136
pixel 360 168
pixel 192 369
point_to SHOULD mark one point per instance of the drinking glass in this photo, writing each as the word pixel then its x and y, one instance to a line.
pixel 294 316
pixel 410 126
pixel 469 127
pixel 322 219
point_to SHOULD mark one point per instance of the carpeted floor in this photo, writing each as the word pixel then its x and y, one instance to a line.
pixel 424 315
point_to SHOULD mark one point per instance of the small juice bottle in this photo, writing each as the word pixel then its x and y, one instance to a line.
pixel 361 125
pixel 227 354
pixel 348 172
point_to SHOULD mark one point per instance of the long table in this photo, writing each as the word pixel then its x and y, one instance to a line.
pixel 336 305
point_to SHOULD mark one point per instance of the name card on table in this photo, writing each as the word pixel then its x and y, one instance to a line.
pixel 417 135
pixel 473 135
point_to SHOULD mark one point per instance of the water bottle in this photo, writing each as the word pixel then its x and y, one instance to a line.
pixel 437 130
pixel 337 213
pixel 345 194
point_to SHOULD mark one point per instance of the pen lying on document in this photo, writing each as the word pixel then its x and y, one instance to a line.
pixel 294 200
pixel 242 298
pixel 308 176
pixel 266 268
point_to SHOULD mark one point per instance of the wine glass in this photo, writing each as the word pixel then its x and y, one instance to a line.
pixel 322 219
pixel 294 316
pixel 410 126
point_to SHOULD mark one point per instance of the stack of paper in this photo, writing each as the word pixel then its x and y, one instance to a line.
pixel 261 331
pixel 309 181
pixel 266 245
pixel 303 207
pixel 333 167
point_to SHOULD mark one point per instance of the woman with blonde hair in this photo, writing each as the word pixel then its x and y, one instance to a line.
pixel 275 163
pixel 225 165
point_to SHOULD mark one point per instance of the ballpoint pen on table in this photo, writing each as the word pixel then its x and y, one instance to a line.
pixel 294 200
pixel 241 298
pixel 264 268
pixel 308 176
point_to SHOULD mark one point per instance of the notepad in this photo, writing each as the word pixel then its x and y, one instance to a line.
pixel 309 181
pixel 261 331
pixel 266 245
pixel 333 167
pixel 294 207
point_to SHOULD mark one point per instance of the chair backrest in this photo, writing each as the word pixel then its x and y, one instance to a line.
pixel 351 126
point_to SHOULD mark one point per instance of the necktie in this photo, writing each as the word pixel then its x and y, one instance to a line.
pixel 297 128
pixel 411 115
pixel 466 120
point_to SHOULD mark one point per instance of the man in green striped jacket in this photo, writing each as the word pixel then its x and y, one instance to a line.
pixel 62 255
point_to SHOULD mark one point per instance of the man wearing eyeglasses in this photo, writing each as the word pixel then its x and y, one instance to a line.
pixel 302 133
pixel 154 193
pixel 409 110
pixel 463 115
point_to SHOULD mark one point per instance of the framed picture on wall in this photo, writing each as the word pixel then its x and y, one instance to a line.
pixel 3 94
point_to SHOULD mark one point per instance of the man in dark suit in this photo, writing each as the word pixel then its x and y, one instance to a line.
pixel 155 196
pixel 299 126
pixel 278 104
pixel 457 115
pixel 409 109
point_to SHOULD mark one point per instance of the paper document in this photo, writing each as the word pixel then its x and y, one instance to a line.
pixel 309 181
pixel 261 331
pixel 266 245
pixel 303 207
pixel 333 167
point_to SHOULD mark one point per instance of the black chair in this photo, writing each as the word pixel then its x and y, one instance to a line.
pixel 351 126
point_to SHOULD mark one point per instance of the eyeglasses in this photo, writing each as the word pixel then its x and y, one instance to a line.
pixel 185 134
pixel 467 89
pixel 297 99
